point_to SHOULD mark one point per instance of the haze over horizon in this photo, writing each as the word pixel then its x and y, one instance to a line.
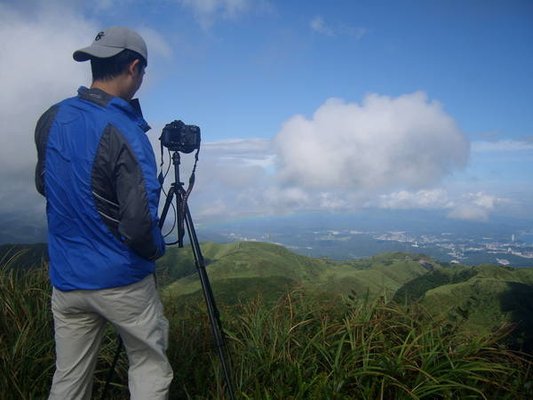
pixel 341 106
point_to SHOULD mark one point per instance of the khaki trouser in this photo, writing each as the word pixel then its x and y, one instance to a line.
pixel 136 312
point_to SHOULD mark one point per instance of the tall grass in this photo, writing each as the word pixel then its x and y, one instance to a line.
pixel 301 347
pixel 26 330
pixel 27 358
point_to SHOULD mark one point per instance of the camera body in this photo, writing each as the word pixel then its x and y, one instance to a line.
pixel 177 136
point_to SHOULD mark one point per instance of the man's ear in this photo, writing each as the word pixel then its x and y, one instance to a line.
pixel 134 65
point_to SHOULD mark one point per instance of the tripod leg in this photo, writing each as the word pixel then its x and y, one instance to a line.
pixel 179 220
pixel 168 202
pixel 214 316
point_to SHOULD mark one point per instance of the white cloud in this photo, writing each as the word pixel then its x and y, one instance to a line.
pixel 246 152
pixel 347 156
pixel 476 206
pixel 425 199
pixel 319 25
pixel 157 45
pixel 468 212
pixel 467 206
pixel 207 11
pixel 384 143
pixel 502 146
pixel 232 178
pixel 240 146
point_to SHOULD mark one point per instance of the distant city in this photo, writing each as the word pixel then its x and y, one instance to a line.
pixel 463 249
pixel 503 241
pixel 447 248
pixel 467 243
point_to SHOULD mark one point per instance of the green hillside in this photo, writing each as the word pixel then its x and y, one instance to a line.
pixel 490 296
pixel 243 270
pixel 438 276
pixel 247 269
pixel 482 297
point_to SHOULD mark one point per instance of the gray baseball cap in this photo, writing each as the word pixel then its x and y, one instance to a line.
pixel 112 41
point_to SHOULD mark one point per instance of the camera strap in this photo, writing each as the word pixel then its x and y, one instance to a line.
pixel 161 177
pixel 185 197
pixel 192 179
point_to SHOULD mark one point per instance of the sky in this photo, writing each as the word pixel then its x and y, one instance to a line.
pixel 326 106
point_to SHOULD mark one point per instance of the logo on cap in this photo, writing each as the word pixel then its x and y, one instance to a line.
pixel 99 36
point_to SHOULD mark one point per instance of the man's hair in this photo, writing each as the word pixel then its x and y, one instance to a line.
pixel 104 69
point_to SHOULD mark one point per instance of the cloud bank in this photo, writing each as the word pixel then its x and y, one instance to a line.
pixel 381 144
pixel 392 153
pixel 476 206
pixel 384 153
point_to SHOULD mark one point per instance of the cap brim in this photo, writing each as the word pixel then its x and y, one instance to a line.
pixel 95 52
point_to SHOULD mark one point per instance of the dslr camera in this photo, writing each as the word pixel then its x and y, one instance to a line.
pixel 177 136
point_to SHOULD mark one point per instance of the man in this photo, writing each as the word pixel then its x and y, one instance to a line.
pixel 97 170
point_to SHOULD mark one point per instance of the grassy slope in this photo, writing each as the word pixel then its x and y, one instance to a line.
pixel 487 297
pixel 241 270
pixel 484 296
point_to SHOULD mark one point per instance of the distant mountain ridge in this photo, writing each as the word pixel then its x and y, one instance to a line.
pixel 229 264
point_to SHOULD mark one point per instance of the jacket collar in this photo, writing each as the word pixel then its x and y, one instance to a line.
pixel 132 108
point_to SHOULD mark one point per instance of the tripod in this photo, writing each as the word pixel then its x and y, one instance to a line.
pixel 184 218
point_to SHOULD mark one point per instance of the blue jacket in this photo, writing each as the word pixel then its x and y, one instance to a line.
pixel 98 173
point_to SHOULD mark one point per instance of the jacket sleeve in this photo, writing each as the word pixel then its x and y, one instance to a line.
pixel 127 195
pixel 42 130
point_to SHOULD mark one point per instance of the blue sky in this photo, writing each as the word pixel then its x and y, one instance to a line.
pixel 331 106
